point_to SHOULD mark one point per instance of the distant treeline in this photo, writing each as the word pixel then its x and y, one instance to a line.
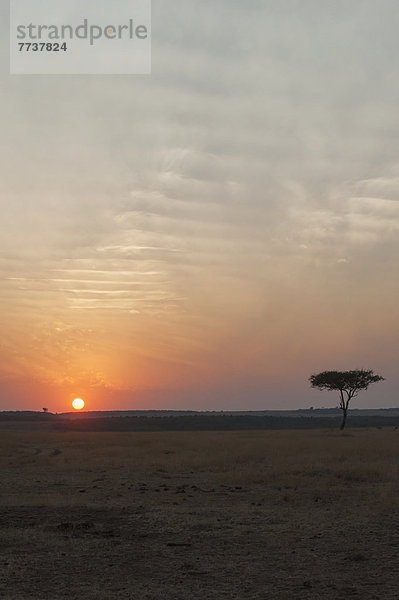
pixel 187 422
pixel 26 415
pixel 217 423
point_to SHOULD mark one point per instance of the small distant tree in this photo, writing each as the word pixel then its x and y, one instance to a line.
pixel 45 409
pixel 347 383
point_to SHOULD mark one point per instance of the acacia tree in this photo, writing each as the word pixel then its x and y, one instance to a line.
pixel 348 383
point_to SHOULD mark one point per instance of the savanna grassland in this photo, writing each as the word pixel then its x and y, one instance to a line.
pixel 200 515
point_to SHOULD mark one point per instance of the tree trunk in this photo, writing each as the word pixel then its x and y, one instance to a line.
pixel 343 419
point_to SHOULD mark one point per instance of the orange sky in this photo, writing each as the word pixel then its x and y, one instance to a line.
pixel 208 236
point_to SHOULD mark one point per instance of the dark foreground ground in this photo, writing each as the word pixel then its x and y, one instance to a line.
pixel 201 515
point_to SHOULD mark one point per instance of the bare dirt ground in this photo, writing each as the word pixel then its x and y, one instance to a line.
pixel 177 516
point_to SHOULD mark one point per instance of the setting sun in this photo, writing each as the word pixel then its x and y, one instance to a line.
pixel 78 404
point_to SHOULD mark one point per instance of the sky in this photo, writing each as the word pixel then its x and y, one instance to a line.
pixel 208 236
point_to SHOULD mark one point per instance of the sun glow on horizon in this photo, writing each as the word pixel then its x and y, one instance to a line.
pixel 78 403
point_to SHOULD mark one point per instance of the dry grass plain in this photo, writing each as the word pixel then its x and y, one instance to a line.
pixel 178 516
